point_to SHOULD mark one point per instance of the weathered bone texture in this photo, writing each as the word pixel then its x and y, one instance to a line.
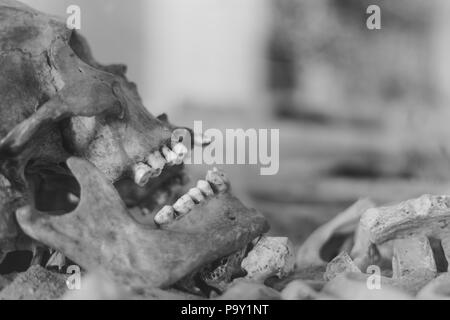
pixel 57 101
pixel 413 256
pixel 94 286
pixel 341 264
pixel 428 215
pixel 445 242
pixel 298 290
pixel 309 253
pixel 271 256
pixel 242 289
pixel 99 233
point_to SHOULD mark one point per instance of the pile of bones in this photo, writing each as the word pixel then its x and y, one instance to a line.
pixel 90 178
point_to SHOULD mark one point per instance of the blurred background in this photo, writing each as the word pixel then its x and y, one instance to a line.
pixel 361 113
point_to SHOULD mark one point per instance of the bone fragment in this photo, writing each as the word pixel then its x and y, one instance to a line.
pixel 165 215
pixel 340 264
pixel 183 205
pixel 271 256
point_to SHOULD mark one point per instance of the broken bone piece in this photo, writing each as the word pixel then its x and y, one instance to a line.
pixel 142 173
pixel 298 290
pixel 205 188
pixel 308 254
pixel 271 256
pixel 413 256
pixel 218 180
pixel 340 264
pixel 428 215
pixel 165 215
pixel 183 205
pixel 200 139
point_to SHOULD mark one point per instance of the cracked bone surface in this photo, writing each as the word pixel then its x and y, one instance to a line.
pixel 428 215
pixel 271 256
pixel 100 235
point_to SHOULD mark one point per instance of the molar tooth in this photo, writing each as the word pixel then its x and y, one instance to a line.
pixel 142 173
pixel 181 152
pixel 156 162
pixel 183 205
pixel 218 179
pixel 165 215
pixel 201 139
pixel 205 188
pixel 196 195
pixel 171 157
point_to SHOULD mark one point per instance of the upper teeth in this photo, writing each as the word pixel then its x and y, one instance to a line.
pixel 181 152
pixel 156 161
pixel 195 195
pixel 142 173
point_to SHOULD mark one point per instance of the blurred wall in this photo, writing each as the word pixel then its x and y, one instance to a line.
pixel 206 52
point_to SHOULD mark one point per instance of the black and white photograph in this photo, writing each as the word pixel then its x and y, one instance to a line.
pixel 210 151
